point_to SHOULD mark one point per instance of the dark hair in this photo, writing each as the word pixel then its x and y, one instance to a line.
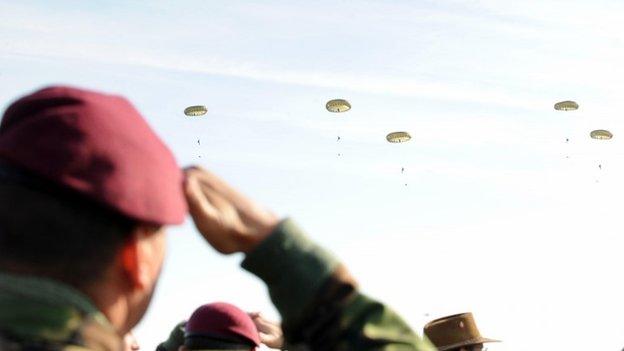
pixel 54 232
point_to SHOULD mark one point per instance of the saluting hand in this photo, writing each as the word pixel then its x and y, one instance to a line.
pixel 270 332
pixel 229 221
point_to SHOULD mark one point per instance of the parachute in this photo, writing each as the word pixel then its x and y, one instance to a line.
pixel 566 106
pixel 338 105
pixel 398 137
pixel 197 110
pixel 601 134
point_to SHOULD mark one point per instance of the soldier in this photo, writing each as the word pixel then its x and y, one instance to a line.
pixel 224 326
pixel 87 190
pixel 317 297
pixel 220 326
pixel 456 333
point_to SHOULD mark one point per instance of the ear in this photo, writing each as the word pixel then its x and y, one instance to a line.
pixel 140 256
pixel 130 261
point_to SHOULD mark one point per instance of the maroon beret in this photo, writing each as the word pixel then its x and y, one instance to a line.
pixel 223 321
pixel 98 145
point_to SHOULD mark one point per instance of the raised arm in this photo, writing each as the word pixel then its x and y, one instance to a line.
pixel 318 299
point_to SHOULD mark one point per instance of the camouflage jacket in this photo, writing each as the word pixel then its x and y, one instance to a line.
pixel 39 314
pixel 320 305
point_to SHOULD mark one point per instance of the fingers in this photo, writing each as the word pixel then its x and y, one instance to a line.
pixel 228 220
pixel 258 220
pixel 267 327
pixel 260 322
pixel 215 217
pixel 199 204
pixel 267 339
pixel 270 332
pixel 210 181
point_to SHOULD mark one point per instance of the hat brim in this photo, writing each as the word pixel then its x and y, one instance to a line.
pixel 474 341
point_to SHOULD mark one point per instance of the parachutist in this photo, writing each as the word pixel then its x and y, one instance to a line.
pixel 338 105
pixel 566 106
pixel 198 143
pixel 601 134
pixel 338 139
pixel 398 137
pixel 198 110
pixel 402 169
pixel 600 167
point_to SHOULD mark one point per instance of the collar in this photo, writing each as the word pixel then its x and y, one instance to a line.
pixel 40 310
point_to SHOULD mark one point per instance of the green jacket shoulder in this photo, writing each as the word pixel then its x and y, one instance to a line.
pixel 319 301
pixel 41 314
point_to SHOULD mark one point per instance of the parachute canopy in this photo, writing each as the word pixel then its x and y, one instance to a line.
pixel 601 134
pixel 338 105
pixel 398 137
pixel 566 106
pixel 197 110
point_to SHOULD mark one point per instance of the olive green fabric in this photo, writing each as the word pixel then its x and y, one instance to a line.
pixel 293 267
pixel 41 314
pixel 320 304
pixel 175 340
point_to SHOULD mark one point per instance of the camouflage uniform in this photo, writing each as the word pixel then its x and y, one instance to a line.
pixel 39 314
pixel 319 302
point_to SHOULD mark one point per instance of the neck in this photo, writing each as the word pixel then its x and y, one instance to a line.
pixel 111 300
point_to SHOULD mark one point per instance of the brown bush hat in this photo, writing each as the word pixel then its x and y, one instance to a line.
pixel 454 331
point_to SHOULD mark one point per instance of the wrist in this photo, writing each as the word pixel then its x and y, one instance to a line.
pixel 249 242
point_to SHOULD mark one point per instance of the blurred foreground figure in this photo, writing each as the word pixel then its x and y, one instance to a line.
pixel 456 333
pixel 86 192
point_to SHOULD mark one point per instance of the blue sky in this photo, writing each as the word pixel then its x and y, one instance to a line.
pixel 494 219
